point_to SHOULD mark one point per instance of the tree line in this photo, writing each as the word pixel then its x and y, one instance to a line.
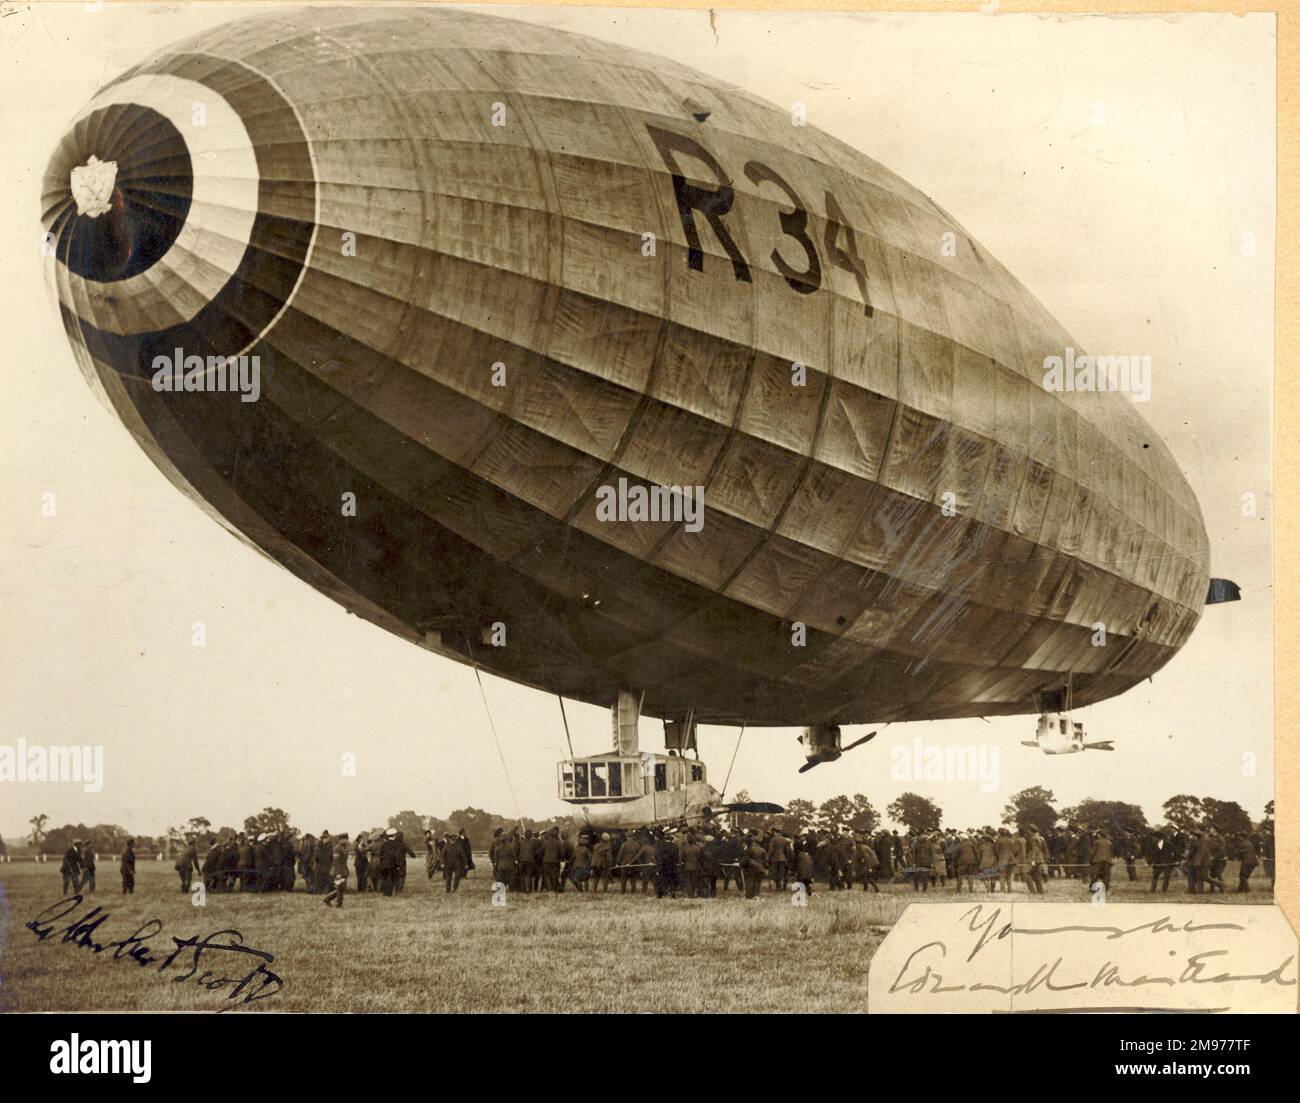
pixel 841 814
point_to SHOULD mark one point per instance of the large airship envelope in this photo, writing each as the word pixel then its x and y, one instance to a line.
pixel 441 311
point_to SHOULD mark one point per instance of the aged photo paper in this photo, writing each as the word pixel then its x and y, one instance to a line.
pixel 578 509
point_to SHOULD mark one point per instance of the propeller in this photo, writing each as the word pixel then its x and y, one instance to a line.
pixel 1104 745
pixel 856 743
pixel 759 806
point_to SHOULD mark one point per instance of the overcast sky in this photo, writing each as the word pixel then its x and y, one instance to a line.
pixel 1130 232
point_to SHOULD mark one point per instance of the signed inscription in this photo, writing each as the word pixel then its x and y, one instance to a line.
pixel 219 961
pixel 1075 957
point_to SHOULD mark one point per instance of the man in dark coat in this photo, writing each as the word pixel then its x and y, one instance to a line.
pixel 127 868
pixel 247 865
pixel 602 861
pixel 87 865
pixel 885 855
pixel 754 866
pixel 1160 856
pixel 212 867
pixel 453 863
pixel 805 870
pixel 1004 850
pixel 361 862
pixel 709 867
pixel 824 860
pixel 778 854
pixel 1127 849
pixel 392 856
pixel 524 862
pixel 468 850
pixel 967 862
pixel 1036 858
pixel 580 873
pixel 71 869
pixel 322 861
pixel 287 858
pixel 920 853
pixel 186 865
pixel 551 853
pixel 1100 858
pixel 729 860
pixel 1201 858
pixel 625 863
pixel 1218 860
pixel 229 865
pixel 307 862
pixel 666 863
pixel 338 872
pixel 407 852
pixel 505 857
pixel 433 859
pixel 568 855
pixel 690 866
pixel 1249 859
pixel 269 876
pixel 373 870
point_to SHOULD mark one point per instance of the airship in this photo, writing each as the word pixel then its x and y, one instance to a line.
pixel 567 361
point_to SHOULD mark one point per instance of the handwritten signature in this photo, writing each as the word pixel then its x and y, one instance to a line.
pixel 919 976
pixel 188 954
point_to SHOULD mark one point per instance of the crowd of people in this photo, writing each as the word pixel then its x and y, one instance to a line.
pixel 706 862
pixel 700 863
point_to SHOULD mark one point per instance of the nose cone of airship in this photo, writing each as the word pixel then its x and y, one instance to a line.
pixel 177 210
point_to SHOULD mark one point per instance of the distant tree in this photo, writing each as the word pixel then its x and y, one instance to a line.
pixel 1183 812
pixel 916 813
pixel 104 838
pixel 409 824
pixel 1034 805
pixel 108 838
pixel 798 816
pixel 1113 815
pixel 199 829
pixel 834 814
pixel 38 823
pixel 864 818
pixel 269 820
pixel 1267 821
pixel 1225 816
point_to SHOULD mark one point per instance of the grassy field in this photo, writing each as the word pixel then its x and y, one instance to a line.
pixel 426 951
